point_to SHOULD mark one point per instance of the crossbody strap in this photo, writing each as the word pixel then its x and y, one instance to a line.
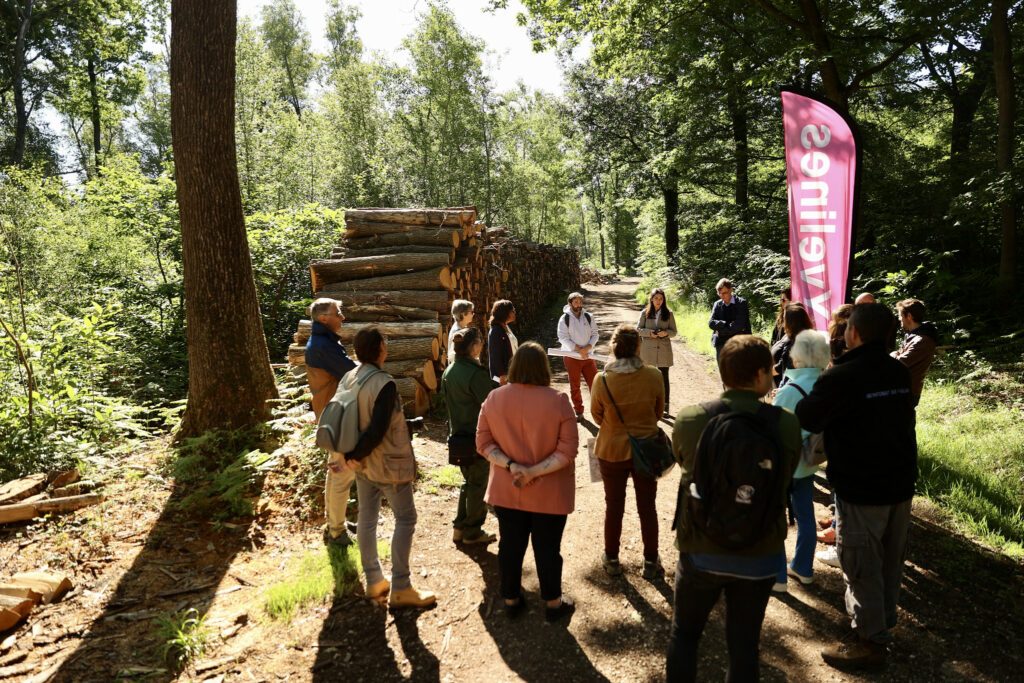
pixel 604 376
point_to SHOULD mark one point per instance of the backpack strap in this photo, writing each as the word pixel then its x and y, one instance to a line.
pixel 713 409
pixel 798 388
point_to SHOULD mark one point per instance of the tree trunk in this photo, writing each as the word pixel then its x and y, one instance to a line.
pixel 965 101
pixel 230 379
pixel 1002 63
pixel 435 278
pixel 337 270
pixel 18 83
pixel 343 252
pixel 355 229
pixel 94 107
pixel 670 192
pixel 831 81
pixel 738 117
pixel 430 237
pixel 434 217
pixel 439 301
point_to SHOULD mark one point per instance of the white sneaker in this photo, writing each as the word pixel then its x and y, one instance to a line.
pixel 780 588
pixel 829 556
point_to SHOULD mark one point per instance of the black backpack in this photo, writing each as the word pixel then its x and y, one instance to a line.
pixel 590 319
pixel 736 498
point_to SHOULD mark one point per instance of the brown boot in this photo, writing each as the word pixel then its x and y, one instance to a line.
pixel 855 653
pixel 411 597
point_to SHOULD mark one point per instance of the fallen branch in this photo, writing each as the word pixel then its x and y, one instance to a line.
pixel 25 511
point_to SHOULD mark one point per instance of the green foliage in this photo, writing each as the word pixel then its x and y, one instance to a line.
pixel 218 473
pixel 317 577
pixel 448 476
pixel 185 637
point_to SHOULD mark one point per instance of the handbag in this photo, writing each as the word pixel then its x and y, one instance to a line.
pixel 652 455
pixel 462 449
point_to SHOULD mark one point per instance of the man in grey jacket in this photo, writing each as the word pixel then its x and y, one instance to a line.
pixel 577 332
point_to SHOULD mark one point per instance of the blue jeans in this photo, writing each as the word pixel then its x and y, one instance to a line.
pixel 399 497
pixel 802 497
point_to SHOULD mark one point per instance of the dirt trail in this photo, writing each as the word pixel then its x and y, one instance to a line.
pixel 961 619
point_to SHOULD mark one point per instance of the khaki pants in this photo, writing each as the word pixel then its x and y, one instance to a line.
pixel 336 493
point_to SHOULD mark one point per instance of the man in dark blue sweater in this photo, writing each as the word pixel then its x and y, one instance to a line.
pixel 730 316
pixel 863 404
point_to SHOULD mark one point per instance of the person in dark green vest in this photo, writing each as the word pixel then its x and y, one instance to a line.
pixel 464 386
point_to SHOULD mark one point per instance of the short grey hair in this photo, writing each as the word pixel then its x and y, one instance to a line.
pixel 810 350
pixel 323 306
pixel 724 282
pixel 461 307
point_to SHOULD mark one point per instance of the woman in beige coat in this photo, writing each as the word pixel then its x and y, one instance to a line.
pixel 657 326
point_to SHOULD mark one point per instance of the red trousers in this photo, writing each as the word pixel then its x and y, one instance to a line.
pixel 588 368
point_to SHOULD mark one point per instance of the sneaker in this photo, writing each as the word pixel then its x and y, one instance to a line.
pixel 457 535
pixel 780 587
pixel 829 556
pixel 855 653
pixel 805 580
pixel 378 590
pixel 342 540
pixel 553 614
pixel 516 609
pixel 611 565
pixel 411 597
pixel 826 522
pixel 828 536
pixel 482 538
pixel 653 570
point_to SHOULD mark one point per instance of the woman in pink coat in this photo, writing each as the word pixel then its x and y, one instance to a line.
pixel 527 431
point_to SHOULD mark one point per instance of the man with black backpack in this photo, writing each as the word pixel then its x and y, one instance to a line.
pixel 864 406
pixel 737 456
pixel 577 332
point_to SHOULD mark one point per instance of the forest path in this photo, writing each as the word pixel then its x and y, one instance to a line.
pixel 135 558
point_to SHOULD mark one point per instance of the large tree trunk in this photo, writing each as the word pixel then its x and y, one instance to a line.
pixel 230 379
pixel 738 116
pixel 670 192
pixel 1002 62
pixel 18 82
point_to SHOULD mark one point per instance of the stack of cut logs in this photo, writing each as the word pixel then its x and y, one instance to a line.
pixel 401 269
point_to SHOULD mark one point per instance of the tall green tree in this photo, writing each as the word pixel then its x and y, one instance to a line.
pixel 290 47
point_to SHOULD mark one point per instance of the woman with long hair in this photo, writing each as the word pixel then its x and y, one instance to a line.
pixel 837 330
pixel 779 331
pixel 501 342
pixel 794 321
pixel 656 327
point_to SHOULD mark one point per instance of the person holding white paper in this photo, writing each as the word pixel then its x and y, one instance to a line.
pixel 577 332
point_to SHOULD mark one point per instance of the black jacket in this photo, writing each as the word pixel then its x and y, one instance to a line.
pixel 728 321
pixel 499 351
pixel 863 405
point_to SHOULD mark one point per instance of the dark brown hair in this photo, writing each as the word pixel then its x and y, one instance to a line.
pixel 500 311
pixel 665 312
pixel 785 298
pixel 873 322
pixel 625 341
pixel 367 344
pixel 913 307
pixel 840 318
pixel 795 320
pixel 530 366
pixel 741 358
pixel 464 339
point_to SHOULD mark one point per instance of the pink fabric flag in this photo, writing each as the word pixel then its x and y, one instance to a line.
pixel 821 170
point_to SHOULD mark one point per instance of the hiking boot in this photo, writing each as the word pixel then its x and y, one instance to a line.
pixel 828 536
pixel 855 653
pixel 805 580
pixel 565 609
pixel 411 597
pixel 342 540
pixel 457 536
pixel 611 565
pixel 653 570
pixel 482 538
pixel 378 590
pixel 829 556
pixel 780 587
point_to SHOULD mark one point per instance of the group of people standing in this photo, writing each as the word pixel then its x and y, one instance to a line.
pixel 861 399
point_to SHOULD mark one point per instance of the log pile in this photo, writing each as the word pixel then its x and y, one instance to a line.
pixel 23 592
pixel 39 494
pixel 402 268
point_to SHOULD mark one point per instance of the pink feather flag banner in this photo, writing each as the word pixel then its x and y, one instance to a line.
pixel 822 166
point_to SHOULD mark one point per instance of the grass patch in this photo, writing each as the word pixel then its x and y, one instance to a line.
pixel 971 460
pixel 448 476
pixel 317 577
pixel 185 637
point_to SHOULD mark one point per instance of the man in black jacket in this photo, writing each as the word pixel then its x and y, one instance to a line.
pixel 863 405
pixel 730 316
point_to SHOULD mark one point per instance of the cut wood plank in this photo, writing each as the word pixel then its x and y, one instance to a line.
pixel 402 330
pixel 64 478
pixel 20 605
pixel 34 499
pixel 49 585
pixel 435 278
pixel 360 267
pixel 9 619
pixel 25 592
pixel 456 217
pixel 429 237
pixel 19 489
pixel 20 512
pixel 435 301
pixel 76 489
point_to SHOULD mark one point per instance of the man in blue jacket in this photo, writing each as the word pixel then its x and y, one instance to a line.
pixel 863 404
pixel 730 316
pixel 326 363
